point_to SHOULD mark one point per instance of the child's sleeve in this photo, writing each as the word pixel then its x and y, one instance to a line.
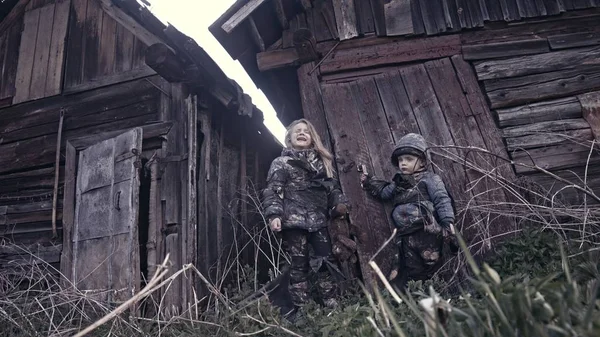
pixel 380 189
pixel 336 196
pixel 441 200
pixel 273 194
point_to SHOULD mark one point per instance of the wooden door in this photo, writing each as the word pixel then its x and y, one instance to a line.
pixel 105 234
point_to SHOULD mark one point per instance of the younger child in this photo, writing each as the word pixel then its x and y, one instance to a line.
pixel 302 194
pixel 423 212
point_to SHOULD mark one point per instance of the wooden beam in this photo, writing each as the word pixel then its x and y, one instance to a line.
pixel 160 58
pixel 129 23
pixel 277 59
pixel 399 51
pixel 14 14
pixel 574 40
pixel 559 109
pixel 345 17
pixel 505 49
pixel 306 45
pixel 241 15
pixel 590 103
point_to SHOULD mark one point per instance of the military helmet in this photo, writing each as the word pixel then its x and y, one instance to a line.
pixel 411 143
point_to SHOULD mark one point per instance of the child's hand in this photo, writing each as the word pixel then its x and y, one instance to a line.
pixel 275 224
pixel 363 177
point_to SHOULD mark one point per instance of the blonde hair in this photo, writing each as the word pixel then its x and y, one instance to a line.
pixel 317 144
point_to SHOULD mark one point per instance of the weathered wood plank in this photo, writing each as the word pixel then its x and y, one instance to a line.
pixel 505 49
pixel 110 80
pixel 433 18
pixel 481 111
pixel 328 13
pixel 11 256
pixel 258 40
pixel 26 56
pixel 564 108
pixel 547 138
pixel 378 10
pixel 10 60
pixel 391 53
pixel 396 104
pixel 93 34
pixel 4 36
pixel 555 157
pixel 531 88
pixel 398 17
pixel 550 126
pixel 42 53
pixel 107 51
pixel 345 18
pixel 68 210
pixel 140 32
pixel 574 40
pixel 364 14
pixel 57 48
pixel 535 64
pixel 242 14
pixel 76 45
pixel 312 102
pixel 281 16
pixel 590 103
pixel 368 218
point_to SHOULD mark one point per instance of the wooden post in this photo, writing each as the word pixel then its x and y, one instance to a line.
pixel 590 104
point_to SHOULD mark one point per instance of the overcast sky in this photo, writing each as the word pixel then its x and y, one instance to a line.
pixel 192 17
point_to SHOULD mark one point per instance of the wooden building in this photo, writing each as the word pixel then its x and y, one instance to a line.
pixel 519 78
pixel 155 146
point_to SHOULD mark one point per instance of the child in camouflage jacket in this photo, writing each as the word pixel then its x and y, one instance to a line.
pixel 423 212
pixel 302 194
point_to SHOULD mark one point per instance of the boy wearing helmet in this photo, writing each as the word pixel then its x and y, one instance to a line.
pixel 423 212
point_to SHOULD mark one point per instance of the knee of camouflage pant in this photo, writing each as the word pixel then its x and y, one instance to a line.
pixel 299 292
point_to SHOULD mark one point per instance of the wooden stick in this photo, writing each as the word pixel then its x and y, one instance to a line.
pixel 57 173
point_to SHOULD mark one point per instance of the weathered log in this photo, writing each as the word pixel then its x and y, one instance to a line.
pixel 305 45
pixel 548 138
pixel 164 61
pixel 564 108
pixel 277 59
pixel 555 157
pixel 535 64
pixel 505 49
pixel 550 126
pixel 525 89
pixel 573 40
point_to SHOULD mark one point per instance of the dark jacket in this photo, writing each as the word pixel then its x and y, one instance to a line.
pixel 424 190
pixel 299 191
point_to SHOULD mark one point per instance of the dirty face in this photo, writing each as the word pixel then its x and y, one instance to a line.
pixel 408 163
pixel 300 137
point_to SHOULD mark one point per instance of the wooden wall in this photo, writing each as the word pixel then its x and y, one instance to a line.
pixel 100 51
pixel 28 152
pixel 534 83
pixel 10 40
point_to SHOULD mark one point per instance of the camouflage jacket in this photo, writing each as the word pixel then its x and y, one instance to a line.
pixel 299 191
pixel 424 190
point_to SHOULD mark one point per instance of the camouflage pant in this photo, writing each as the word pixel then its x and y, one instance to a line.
pixel 419 257
pixel 297 243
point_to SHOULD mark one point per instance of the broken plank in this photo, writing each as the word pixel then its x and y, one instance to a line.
pixel 590 104
pixel 399 51
pixel 574 40
pixel 398 17
pixel 345 18
pixel 547 138
pixel 538 87
pixel 564 108
pixel 505 49
pixel 540 63
pixel 242 14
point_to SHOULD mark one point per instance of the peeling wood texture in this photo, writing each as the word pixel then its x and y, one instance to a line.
pixel 398 17
pixel 345 18
pixel 590 104
pixel 559 109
